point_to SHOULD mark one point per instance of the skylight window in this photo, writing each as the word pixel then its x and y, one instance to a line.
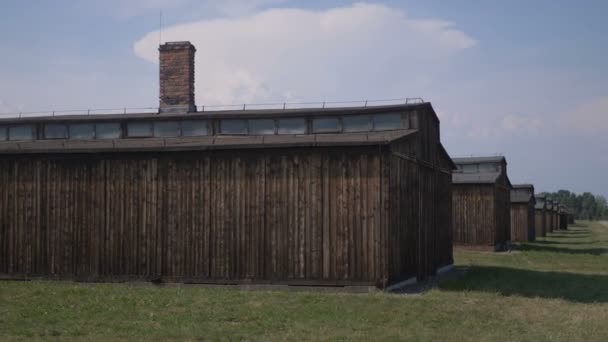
pixel 166 129
pixel 21 132
pixel 110 130
pixel 292 126
pixel 233 127
pixel 55 131
pixel 470 168
pixel 82 131
pixel 139 129
pixel 356 123
pixel 488 167
pixel 325 125
pixel 194 128
pixel 384 122
pixel 261 127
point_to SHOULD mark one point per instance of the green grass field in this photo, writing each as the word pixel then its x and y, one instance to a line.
pixel 555 289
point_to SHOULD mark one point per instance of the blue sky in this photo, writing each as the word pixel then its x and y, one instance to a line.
pixel 528 79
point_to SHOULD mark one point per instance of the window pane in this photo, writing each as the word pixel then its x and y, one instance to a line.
pixel 359 123
pixel 233 127
pixel 292 126
pixel 82 131
pixel 469 168
pixel 166 129
pixel 21 133
pixel 324 125
pixel 3 133
pixel 55 131
pixel 488 167
pixel 193 128
pixel 261 127
pixel 107 130
pixel 387 121
pixel 139 129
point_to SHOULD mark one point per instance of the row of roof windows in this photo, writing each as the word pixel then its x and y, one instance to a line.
pixel 475 168
pixel 191 128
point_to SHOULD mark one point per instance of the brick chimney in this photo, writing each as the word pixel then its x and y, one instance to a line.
pixel 177 77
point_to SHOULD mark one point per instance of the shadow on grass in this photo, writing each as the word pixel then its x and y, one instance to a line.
pixel 568 236
pixel 582 288
pixel 551 249
pixel 546 242
pixel 571 232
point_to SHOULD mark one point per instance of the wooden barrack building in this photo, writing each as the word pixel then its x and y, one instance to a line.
pixel 522 213
pixel 540 209
pixel 563 217
pixel 335 196
pixel 481 193
pixel 550 214
pixel 556 208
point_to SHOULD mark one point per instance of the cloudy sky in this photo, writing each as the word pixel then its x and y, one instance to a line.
pixel 527 79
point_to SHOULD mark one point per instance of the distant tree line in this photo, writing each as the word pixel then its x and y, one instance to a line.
pixel 585 207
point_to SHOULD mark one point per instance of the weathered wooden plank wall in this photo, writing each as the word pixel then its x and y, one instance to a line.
pixel 404 220
pixel 540 223
pixel 503 213
pixel 443 218
pixel 282 217
pixel 522 222
pixel 420 225
pixel 548 221
pixel 563 221
pixel 474 215
pixel 481 214
pixel 531 223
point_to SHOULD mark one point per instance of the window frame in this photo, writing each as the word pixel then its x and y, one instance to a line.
pixel 177 122
pixel 386 114
pixel 126 131
pixel 370 124
pixel 46 125
pixel 274 126
pixel 82 123
pixel 488 167
pixel 121 129
pixel 338 124
pixel 473 168
pixel 208 130
pixel 305 126
pixel 246 127
pixel 32 130
pixel 5 129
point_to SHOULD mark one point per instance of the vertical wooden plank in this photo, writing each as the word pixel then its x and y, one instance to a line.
pixel 304 187
pixel 316 224
pixel 364 218
pixel 207 210
pixel 326 216
pixel 334 202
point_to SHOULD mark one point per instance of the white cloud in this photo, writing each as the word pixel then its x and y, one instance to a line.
pixel 590 117
pixel 363 50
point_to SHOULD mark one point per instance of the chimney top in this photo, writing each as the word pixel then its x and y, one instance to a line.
pixel 177 77
pixel 184 45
